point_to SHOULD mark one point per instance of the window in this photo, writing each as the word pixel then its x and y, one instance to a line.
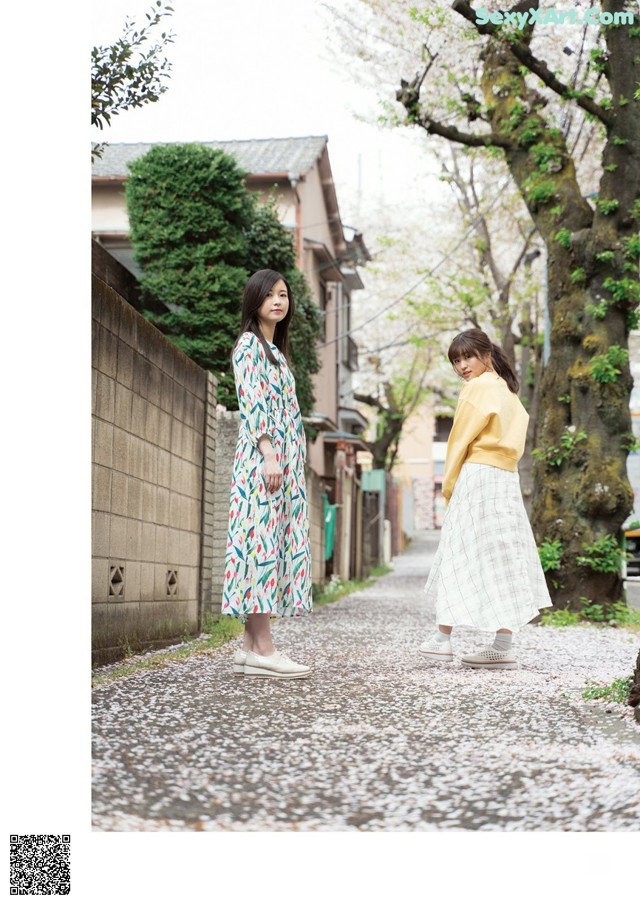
pixel 444 423
pixel 322 299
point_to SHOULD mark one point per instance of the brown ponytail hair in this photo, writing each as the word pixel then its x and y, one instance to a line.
pixel 476 342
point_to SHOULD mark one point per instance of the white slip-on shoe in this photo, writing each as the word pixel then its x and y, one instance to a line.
pixel 275 666
pixel 239 660
pixel 438 651
pixel 490 658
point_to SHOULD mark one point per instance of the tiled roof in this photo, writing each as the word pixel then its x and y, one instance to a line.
pixel 259 155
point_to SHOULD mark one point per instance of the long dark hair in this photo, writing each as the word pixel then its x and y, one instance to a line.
pixel 255 292
pixel 476 342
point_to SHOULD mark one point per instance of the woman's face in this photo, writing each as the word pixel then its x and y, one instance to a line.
pixel 471 365
pixel 275 306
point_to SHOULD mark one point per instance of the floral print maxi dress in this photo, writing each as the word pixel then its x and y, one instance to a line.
pixel 268 564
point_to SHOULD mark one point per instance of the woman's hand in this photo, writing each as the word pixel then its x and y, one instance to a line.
pixel 272 470
pixel 272 473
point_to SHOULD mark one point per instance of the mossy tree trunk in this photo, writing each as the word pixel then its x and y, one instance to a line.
pixel 634 694
pixel 593 293
pixel 531 368
pixel 582 495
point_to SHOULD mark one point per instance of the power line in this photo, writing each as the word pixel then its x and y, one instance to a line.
pixel 404 342
pixel 429 273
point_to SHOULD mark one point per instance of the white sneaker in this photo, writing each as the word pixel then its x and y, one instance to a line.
pixel 490 658
pixel 239 660
pixel 438 651
pixel 275 666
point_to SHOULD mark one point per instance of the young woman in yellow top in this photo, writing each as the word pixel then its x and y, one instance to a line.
pixel 486 572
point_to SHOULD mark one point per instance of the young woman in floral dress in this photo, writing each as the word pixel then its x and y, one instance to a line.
pixel 268 564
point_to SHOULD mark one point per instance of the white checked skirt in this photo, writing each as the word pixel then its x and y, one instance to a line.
pixel 486 572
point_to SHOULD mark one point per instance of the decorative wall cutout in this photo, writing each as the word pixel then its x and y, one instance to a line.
pixel 172 582
pixel 116 581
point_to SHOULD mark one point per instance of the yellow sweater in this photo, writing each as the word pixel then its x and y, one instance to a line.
pixel 489 427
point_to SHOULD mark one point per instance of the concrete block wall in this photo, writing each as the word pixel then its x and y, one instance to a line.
pixel 227 436
pixel 208 558
pixel 149 420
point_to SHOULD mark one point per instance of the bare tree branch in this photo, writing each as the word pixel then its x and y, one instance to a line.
pixel 409 96
pixel 523 252
pixel 369 400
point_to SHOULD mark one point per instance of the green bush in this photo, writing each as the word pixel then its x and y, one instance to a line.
pixel 608 205
pixel 550 552
pixel 556 455
pixel 559 618
pixel 563 237
pixel 617 693
pixel 605 368
pixel 189 211
pixel 603 555
pixel 619 613
pixel 198 234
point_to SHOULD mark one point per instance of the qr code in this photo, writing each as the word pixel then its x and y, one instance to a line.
pixel 40 865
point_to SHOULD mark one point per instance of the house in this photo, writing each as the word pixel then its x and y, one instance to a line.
pixel 417 467
pixel 297 172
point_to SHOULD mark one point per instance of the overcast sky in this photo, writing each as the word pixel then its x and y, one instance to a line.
pixel 255 69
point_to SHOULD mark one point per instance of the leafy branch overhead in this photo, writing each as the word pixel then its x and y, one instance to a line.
pixel 522 51
pixel 132 71
pixel 525 95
